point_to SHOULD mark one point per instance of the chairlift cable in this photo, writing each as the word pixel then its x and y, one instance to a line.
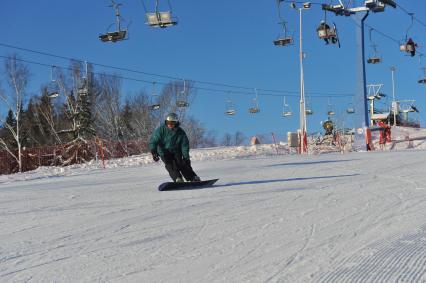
pixel 409 13
pixel 143 5
pixel 157 75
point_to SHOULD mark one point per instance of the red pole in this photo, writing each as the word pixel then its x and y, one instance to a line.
pixel 275 142
pixel 102 153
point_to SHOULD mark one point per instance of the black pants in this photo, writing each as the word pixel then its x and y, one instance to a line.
pixel 177 166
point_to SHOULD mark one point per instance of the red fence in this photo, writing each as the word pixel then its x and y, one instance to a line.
pixel 63 155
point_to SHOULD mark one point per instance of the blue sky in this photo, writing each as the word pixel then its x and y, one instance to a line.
pixel 226 42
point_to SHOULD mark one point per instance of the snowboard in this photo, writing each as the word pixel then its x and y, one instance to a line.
pixel 172 186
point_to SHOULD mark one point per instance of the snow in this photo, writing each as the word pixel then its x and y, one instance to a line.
pixel 353 217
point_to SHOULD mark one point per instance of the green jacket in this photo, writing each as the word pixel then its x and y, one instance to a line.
pixel 165 140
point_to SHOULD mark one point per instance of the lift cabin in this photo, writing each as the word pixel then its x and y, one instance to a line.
pixel 160 19
pixel 119 34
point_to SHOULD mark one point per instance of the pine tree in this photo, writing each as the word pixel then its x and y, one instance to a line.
pixel 7 136
pixel 127 120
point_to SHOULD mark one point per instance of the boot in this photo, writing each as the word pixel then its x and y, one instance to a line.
pixel 179 180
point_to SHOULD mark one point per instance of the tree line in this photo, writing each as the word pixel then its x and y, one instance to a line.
pixel 78 104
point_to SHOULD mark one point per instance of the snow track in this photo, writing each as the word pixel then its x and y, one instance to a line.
pixel 327 218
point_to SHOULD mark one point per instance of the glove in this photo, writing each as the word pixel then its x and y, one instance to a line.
pixel 155 155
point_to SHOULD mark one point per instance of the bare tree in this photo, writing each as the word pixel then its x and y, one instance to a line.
pixel 108 108
pixel 227 139
pixel 195 132
pixel 239 138
pixel 141 120
pixel 45 115
pixel 17 76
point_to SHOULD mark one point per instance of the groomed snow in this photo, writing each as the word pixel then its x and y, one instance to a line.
pixel 354 217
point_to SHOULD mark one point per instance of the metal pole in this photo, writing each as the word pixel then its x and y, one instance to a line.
pixel 393 96
pixel 361 105
pixel 302 89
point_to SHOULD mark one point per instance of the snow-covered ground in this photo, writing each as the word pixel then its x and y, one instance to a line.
pixel 353 217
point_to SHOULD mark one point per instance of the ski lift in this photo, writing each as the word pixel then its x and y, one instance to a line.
pixel 284 38
pixel 160 19
pixel 408 44
pixel 255 104
pixel 327 33
pixel 53 78
pixel 286 109
pixel 119 34
pixel 182 96
pixel 155 105
pixel 374 58
pixel 230 108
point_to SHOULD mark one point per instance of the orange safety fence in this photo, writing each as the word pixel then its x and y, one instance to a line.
pixel 68 154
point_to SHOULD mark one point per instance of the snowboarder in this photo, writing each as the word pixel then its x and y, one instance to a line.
pixel 170 143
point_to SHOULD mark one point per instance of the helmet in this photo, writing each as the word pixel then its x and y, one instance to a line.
pixel 172 117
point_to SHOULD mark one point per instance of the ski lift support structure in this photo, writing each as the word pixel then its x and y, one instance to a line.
pixel 361 120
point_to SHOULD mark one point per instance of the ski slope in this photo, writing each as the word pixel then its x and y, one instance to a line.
pixel 356 217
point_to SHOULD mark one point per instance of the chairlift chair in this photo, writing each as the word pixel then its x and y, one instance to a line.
pixel 182 96
pixel 422 79
pixel 309 111
pixel 374 58
pixel 255 104
pixel 119 34
pixel 230 109
pixel 155 105
pixel 350 109
pixel 409 45
pixel 327 33
pixel 160 19
pixel 53 84
pixel 283 39
pixel 286 109
pixel 330 111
